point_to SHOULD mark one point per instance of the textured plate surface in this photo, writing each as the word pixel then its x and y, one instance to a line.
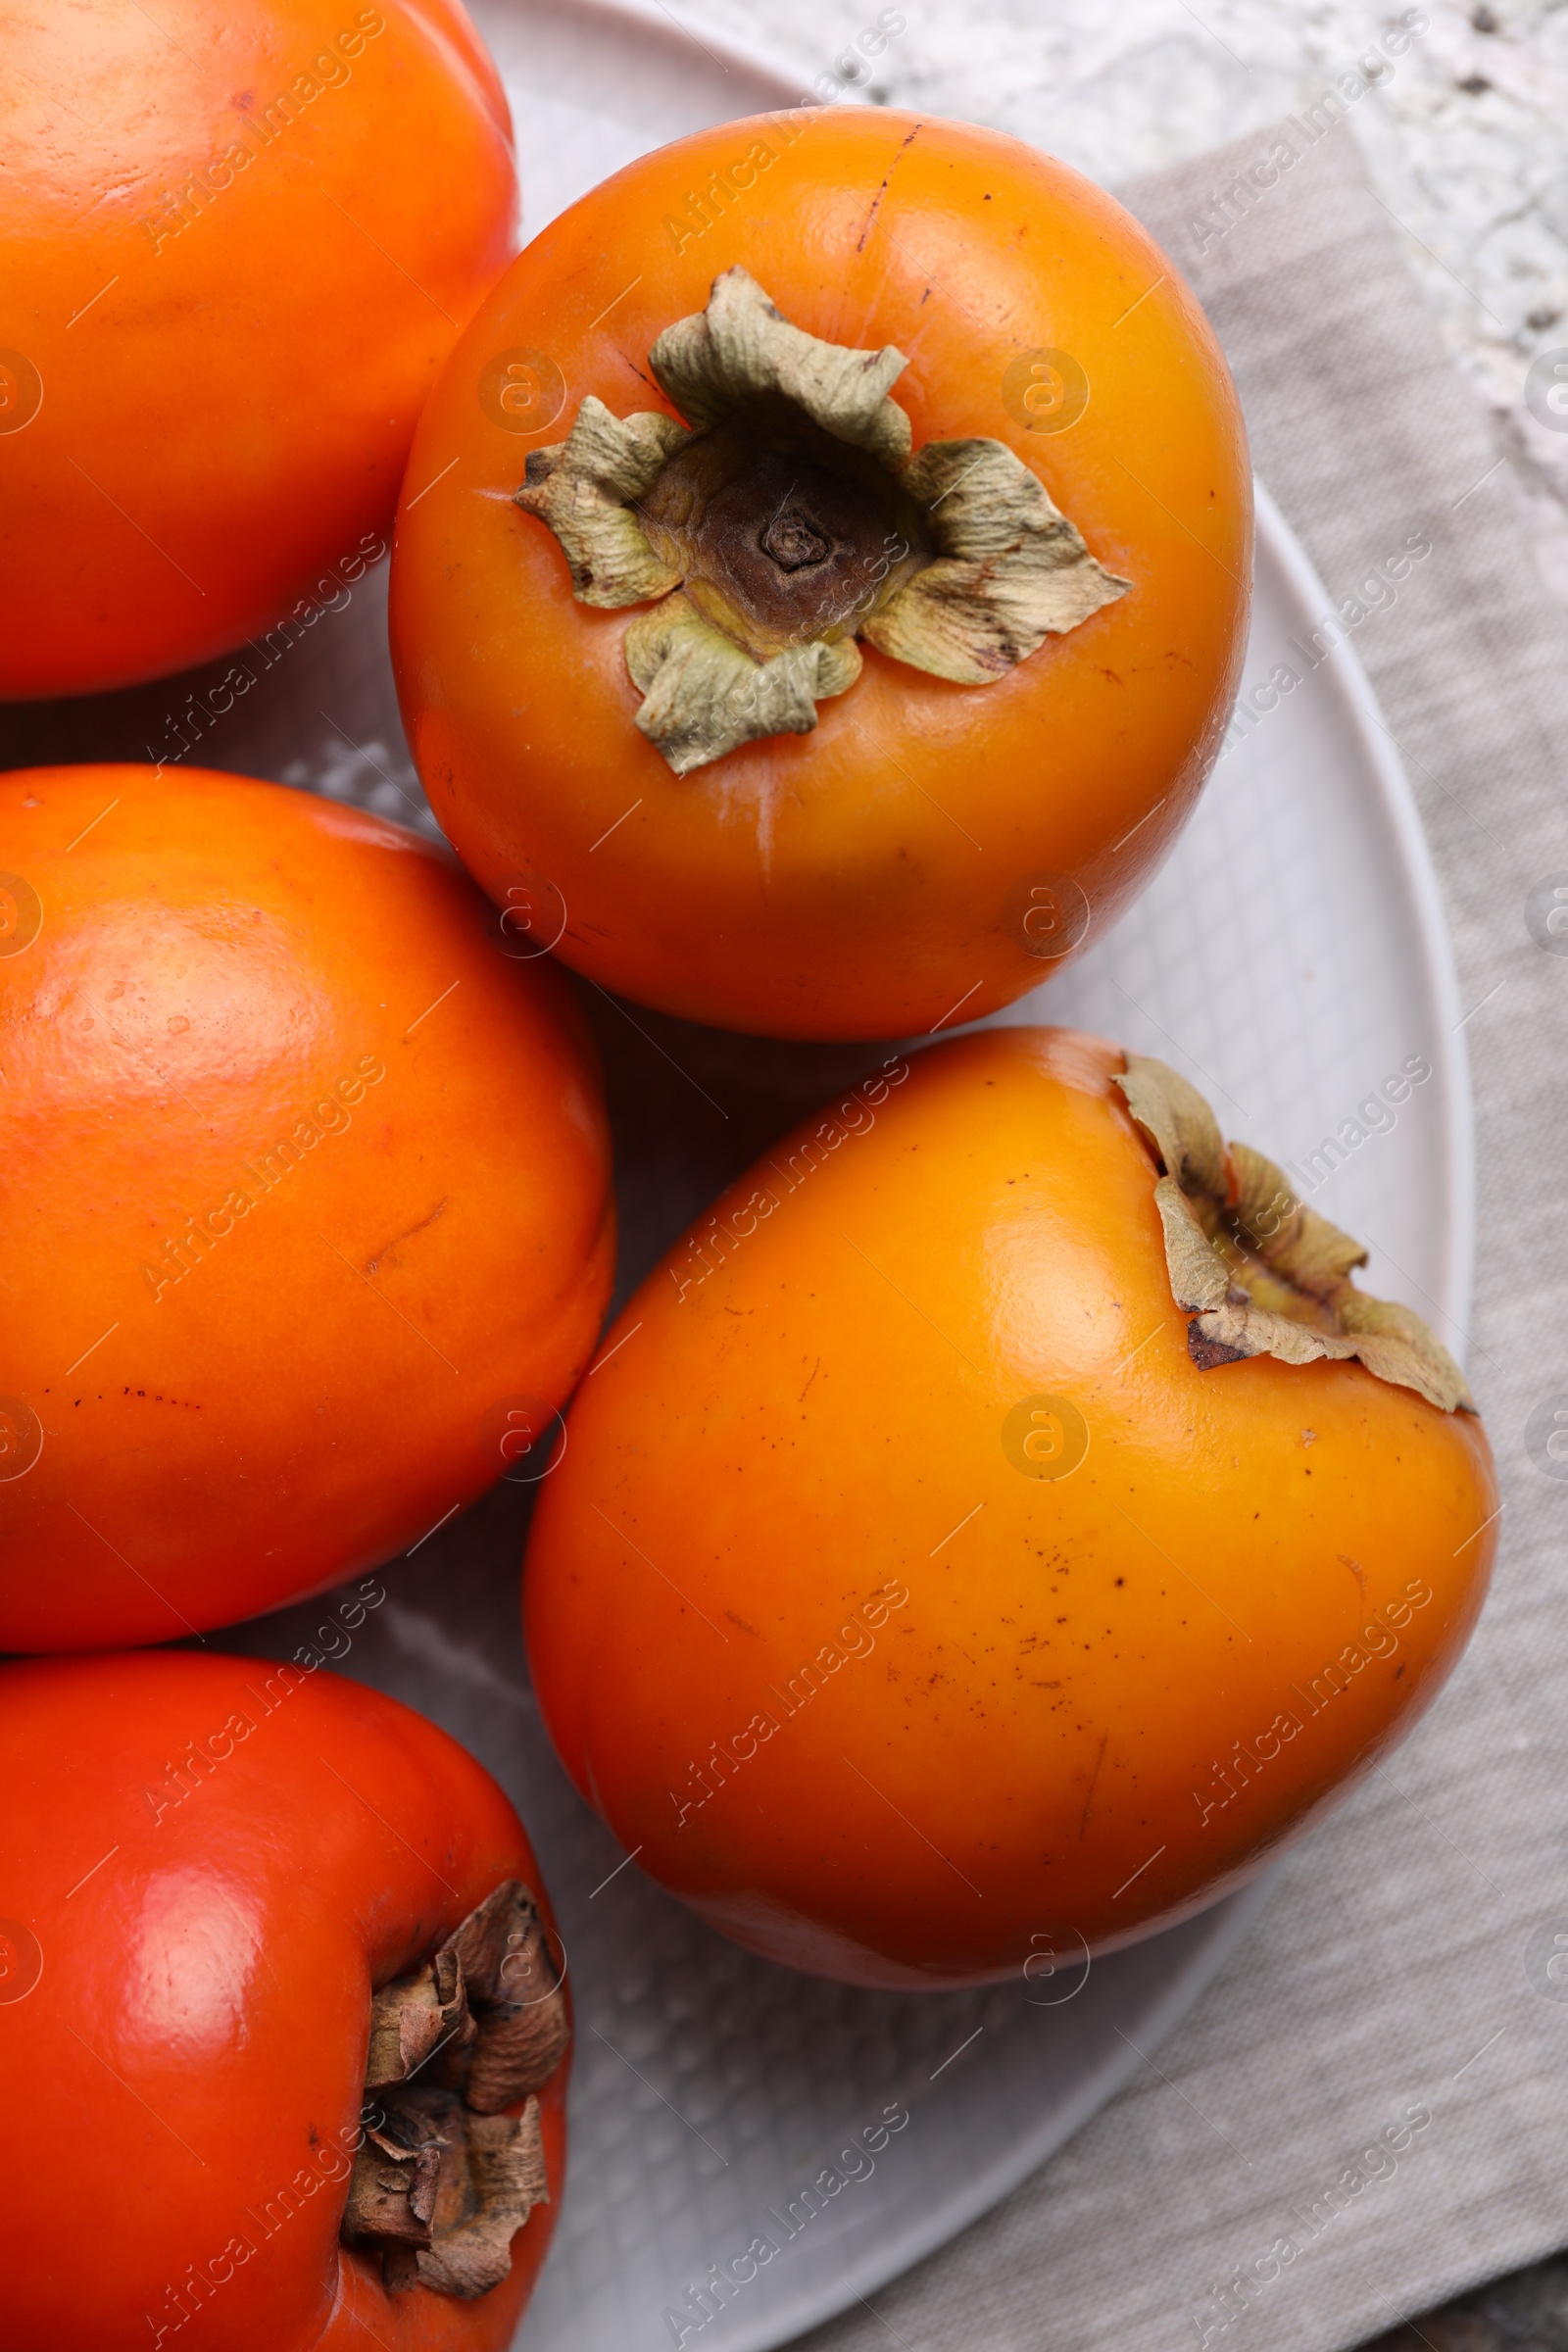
pixel 1288 958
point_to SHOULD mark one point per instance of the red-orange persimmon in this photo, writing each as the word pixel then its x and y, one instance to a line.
pixel 220 1876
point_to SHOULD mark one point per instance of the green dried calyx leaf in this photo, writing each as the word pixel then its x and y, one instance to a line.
pixel 742 350
pixel 789 517
pixel 587 487
pixel 445 2178
pixel 705 694
pixel 1009 570
pixel 1257 1271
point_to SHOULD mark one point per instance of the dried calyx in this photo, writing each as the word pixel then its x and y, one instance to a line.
pixel 444 2178
pixel 786 520
pixel 1259 1273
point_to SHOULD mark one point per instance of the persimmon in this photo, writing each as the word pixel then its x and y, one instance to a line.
pixel 999 1526
pixel 284 2007
pixel 824 573
pixel 308 1224
pixel 221 310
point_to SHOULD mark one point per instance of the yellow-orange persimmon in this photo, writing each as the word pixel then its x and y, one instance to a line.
pixel 893 679
pixel 222 1879
pixel 239 238
pixel 308 1224
pixel 923 1586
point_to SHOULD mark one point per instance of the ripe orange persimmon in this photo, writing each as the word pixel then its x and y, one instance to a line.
pixel 923 1587
pixel 231 1893
pixel 308 1224
pixel 222 303
pixel 881 687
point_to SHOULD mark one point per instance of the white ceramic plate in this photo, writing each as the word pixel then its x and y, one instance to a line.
pixel 1290 957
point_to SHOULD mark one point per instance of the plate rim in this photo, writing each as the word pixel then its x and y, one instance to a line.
pixel 1397 805
pixel 760 61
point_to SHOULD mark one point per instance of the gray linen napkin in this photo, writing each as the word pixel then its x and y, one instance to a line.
pixel 1271 2185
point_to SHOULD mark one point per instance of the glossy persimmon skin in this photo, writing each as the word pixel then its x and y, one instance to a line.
pixel 266 1310
pixel 1035 1748
pixel 215 391
pixel 195 2044
pixel 859 880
